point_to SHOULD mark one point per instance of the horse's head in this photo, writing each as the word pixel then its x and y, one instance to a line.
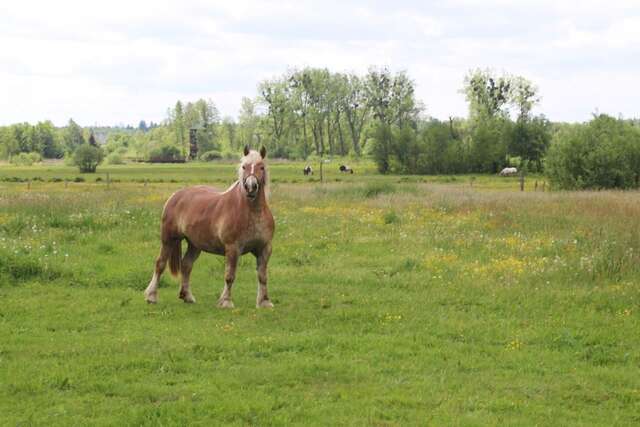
pixel 252 172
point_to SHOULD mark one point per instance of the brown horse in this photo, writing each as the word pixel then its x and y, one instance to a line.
pixel 232 224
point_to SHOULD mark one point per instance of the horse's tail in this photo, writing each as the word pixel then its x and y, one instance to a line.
pixel 175 254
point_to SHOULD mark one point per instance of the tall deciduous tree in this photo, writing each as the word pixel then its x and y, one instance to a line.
pixel 486 93
pixel 247 123
pixel 356 109
pixel 179 127
pixel 73 136
pixel 275 95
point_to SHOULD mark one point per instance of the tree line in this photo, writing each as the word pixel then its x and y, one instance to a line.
pixel 313 113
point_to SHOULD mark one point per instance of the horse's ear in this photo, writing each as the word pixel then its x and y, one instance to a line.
pixel 246 150
pixel 263 152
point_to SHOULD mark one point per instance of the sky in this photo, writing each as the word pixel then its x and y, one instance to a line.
pixel 118 62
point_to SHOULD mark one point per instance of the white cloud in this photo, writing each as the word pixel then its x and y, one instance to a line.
pixel 122 61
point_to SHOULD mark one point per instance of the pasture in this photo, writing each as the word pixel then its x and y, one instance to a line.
pixel 398 301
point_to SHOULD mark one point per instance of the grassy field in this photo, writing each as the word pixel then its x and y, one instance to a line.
pixel 399 301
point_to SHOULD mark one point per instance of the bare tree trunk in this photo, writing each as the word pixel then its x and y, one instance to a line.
pixel 321 138
pixel 305 147
pixel 330 135
pixel 314 132
pixel 340 136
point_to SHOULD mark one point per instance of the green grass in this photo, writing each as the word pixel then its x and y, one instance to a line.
pixel 398 302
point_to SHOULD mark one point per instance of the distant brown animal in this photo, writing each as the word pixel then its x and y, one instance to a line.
pixel 232 224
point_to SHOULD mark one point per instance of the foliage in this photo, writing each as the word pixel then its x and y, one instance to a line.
pixel 26 159
pixel 115 159
pixel 209 156
pixel 529 140
pixel 604 153
pixel 72 136
pixel 87 158
pixel 166 154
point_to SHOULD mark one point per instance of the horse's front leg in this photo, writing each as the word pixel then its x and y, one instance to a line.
pixel 262 259
pixel 232 254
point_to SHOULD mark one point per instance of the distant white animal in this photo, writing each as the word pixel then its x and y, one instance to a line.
pixel 345 169
pixel 508 172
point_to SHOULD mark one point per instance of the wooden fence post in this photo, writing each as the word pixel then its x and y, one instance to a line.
pixel 522 181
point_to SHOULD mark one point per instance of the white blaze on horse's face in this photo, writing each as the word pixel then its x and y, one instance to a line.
pixel 253 177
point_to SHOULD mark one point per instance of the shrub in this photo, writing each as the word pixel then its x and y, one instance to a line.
pixel 115 158
pixel 210 155
pixel 87 158
pixel 391 217
pixel 604 153
pixel 26 159
pixel 166 154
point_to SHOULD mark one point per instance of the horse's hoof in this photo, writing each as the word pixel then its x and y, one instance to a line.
pixel 188 298
pixel 225 303
pixel 151 298
pixel 264 304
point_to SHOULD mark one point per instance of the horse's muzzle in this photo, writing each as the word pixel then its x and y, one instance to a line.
pixel 251 186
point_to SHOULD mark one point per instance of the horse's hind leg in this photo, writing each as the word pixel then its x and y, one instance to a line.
pixel 185 272
pixel 151 293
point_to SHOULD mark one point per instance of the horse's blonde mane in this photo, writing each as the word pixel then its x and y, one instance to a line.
pixel 254 157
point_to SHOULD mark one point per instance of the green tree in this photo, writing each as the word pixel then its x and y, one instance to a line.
pixel 92 140
pixel 231 130
pixel 48 140
pixel 72 136
pixel 391 98
pixel 274 94
pixel 87 158
pixel 487 94
pixel 247 124
pixel 530 140
pixel 382 147
pixel 356 109
pixel 177 120
pixel 604 153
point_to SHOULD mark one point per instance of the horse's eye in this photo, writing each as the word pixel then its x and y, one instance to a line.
pixel 261 168
pixel 244 167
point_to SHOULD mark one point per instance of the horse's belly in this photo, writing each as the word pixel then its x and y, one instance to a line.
pixel 213 247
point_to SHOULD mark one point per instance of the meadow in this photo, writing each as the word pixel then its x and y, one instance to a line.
pixel 410 300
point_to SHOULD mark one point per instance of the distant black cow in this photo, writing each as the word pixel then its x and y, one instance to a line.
pixel 345 169
pixel 307 170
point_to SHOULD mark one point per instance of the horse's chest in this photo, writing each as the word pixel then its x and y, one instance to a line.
pixel 256 234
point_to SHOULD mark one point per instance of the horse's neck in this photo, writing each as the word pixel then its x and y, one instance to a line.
pixel 256 207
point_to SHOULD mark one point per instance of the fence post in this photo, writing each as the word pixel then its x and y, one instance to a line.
pixel 522 181
pixel 544 183
pixel 536 186
pixel 28 184
pixel 108 180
